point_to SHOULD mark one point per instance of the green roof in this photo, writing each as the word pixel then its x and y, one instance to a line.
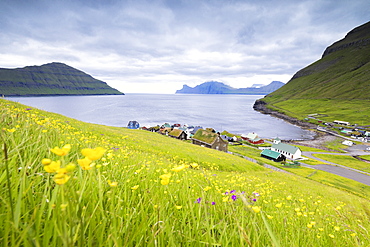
pixel 270 153
pixel 175 132
pixel 285 147
pixel 205 136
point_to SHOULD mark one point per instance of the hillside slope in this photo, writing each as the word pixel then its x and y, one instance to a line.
pixel 340 78
pixel 69 183
pixel 214 87
pixel 50 79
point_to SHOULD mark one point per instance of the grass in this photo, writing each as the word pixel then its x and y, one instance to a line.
pixel 205 197
pixel 313 162
pixel 336 145
pixel 345 160
pixel 365 157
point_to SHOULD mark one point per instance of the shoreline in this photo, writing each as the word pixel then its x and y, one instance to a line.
pixel 260 106
pixel 318 137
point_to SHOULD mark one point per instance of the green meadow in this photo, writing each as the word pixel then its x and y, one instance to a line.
pixel 70 183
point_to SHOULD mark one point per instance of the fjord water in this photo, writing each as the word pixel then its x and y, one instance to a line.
pixel 233 113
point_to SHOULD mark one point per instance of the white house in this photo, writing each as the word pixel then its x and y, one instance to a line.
pixel 348 143
pixel 289 151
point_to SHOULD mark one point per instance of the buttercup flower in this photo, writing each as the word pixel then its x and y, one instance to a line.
pixel 256 209
pixel 93 154
pixel 61 178
pixel 84 163
pixel 178 168
pixel 54 166
pixel 61 151
pixel 46 162
pixel 112 184
pixel 135 187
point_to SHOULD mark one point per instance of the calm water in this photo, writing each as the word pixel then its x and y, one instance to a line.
pixel 233 113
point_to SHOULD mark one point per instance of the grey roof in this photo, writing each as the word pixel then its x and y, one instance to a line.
pixel 285 147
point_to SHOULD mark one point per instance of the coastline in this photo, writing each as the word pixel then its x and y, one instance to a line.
pixel 260 106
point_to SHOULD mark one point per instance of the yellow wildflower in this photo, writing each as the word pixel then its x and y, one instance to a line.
pixel 289 198
pixel 135 187
pixel 61 178
pixel 256 209
pixel 54 166
pixel 279 205
pixel 194 165
pixel 178 207
pixel 331 235
pixel 61 151
pixel 178 168
pixel 112 184
pixel 337 228
pixel 93 154
pixel 165 181
pixel 270 217
pixel 46 162
pixel 84 163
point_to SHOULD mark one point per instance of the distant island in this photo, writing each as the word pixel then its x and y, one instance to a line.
pixel 51 79
pixel 214 87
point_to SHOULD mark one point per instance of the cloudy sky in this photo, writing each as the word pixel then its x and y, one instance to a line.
pixel 156 46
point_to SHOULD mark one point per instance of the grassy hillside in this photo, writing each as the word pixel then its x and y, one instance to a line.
pixel 50 79
pixel 69 183
pixel 338 82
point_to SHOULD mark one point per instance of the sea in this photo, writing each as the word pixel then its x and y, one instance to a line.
pixel 233 113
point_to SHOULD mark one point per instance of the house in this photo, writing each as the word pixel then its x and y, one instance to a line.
pixel 229 139
pixel 133 125
pixel 287 150
pixel 272 155
pixel 178 134
pixel 165 131
pixel 341 122
pixel 249 136
pixel 252 138
pixel 166 125
pixel 348 143
pixel 195 129
pixel 276 140
pixel 209 139
pixel 256 141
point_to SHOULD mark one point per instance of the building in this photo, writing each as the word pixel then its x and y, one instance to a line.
pixel 133 125
pixel 178 134
pixel 252 138
pixel 209 139
pixel 289 151
pixel 341 122
pixel 272 155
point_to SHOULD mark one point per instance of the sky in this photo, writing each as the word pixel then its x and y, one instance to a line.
pixel 157 46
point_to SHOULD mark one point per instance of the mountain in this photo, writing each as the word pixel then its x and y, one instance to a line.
pixel 214 87
pixel 337 85
pixel 51 79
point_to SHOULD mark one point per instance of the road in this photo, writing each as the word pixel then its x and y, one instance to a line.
pixel 341 170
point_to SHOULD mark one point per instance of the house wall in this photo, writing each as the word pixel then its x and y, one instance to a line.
pixel 296 155
pixel 219 144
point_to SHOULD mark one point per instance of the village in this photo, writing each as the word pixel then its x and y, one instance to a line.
pixel 210 138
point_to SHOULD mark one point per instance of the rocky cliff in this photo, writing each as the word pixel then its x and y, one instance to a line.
pixel 51 79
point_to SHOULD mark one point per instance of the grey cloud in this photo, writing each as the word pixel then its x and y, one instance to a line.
pixel 182 38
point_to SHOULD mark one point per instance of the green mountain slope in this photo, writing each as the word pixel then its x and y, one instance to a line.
pixel 51 79
pixel 337 83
